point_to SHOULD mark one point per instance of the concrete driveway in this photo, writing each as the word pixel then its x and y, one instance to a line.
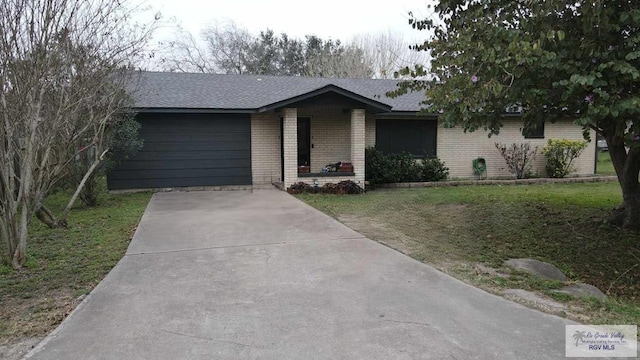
pixel 260 275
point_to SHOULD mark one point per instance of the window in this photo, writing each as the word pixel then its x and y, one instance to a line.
pixel 417 137
pixel 536 133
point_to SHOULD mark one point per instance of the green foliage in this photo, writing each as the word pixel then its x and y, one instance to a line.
pixel 434 169
pixel 604 164
pixel 560 154
pixel 551 59
pixel 518 158
pixel 124 141
pixel 384 168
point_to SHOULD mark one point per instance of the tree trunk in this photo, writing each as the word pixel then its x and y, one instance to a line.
pixel 49 218
pixel 631 189
pixel 631 218
pixel 627 166
pixel 19 255
pixel 84 180
pixel 9 232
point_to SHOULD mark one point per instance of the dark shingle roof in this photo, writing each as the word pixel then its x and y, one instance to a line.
pixel 159 90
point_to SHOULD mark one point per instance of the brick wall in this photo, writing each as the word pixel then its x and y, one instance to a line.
pixel 358 125
pixel 458 149
pixel 290 133
pixel 265 148
pixel 330 135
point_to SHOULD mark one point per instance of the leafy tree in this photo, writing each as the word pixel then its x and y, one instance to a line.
pixel 333 59
pixel 553 59
pixel 275 55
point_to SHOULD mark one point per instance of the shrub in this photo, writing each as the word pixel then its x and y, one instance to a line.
pixel 300 188
pixel 124 141
pixel 384 168
pixel 518 158
pixel 341 188
pixel 433 169
pixel 560 154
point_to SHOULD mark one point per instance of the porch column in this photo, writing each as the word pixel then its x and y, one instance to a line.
pixel 290 141
pixel 358 144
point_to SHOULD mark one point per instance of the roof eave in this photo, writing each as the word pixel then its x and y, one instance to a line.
pixel 373 105
pixel 181 110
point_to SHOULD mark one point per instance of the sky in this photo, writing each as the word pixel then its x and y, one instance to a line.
pixel 335 19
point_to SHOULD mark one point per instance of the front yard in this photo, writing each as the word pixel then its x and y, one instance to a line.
pixel 457 228
pixel 65 264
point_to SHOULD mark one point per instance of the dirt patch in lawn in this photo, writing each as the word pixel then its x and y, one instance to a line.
pixel 415 235
pixel 27 321
pixel 35 316
pixel 380 232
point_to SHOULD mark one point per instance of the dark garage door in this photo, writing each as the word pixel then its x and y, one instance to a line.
pixel 188 150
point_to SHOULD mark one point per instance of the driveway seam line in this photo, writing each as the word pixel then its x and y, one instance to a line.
pixel 241 246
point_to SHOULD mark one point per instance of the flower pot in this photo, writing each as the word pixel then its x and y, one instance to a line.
pixel 304 169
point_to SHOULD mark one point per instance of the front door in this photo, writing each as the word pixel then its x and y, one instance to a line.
pixel 304 142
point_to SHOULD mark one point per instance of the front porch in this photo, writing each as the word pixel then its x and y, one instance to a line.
pixel 317 140
pixel 292 142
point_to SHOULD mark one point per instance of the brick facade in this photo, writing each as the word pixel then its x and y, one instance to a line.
pixel 339 135
pixel 330 135
pixel 290 144
pixel 358 144
pixel 266 148
pixel 458 149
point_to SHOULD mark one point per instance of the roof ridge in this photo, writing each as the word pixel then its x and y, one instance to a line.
pixel 179 73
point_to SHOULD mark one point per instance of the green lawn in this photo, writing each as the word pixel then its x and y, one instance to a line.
pixel 454 228
pixel 64 264
pixel 604 165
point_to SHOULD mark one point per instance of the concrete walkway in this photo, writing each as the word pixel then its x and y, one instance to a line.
pixel 260 275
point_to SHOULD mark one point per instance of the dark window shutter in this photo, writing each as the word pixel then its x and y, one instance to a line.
pixel 416 137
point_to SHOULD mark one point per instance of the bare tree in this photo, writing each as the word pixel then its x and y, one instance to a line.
pixel 222 48
pixel 64 68
pixel 387 53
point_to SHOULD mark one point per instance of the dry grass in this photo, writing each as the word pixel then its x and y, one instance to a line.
pixel 457 228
